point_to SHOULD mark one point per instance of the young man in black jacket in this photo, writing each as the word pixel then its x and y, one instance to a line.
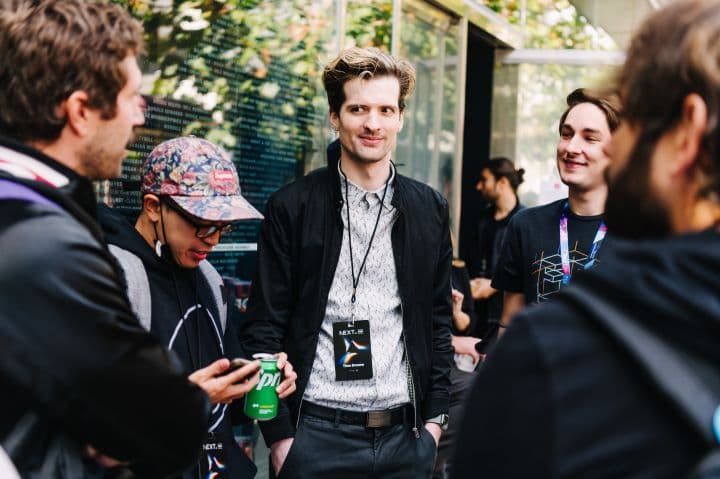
pixel 560 398
pixel 83 385
pixel 354 283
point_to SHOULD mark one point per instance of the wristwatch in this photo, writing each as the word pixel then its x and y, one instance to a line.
pixel 441 420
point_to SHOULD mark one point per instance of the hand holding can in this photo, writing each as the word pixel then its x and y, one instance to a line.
pixel 261 402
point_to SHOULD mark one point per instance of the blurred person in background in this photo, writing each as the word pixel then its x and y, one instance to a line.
pixel 466 359
pixel 498 184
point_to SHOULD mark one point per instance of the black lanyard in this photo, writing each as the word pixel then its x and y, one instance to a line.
pixel 356 281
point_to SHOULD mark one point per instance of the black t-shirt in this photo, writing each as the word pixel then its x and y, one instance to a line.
pixel 460 280
pixel 530 260
pixel 491 236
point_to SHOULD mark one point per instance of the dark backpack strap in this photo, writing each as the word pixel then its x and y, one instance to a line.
pixel 663 364
pixel 9 190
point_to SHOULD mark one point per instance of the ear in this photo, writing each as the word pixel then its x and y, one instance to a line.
pixel 688 134
pixel 79 116
pixel 151 207
pixel 402 120
pixel 334 120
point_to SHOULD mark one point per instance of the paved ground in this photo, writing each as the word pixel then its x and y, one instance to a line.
pixel 262 453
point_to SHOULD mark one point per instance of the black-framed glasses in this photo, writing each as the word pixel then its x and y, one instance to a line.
pixel 202 230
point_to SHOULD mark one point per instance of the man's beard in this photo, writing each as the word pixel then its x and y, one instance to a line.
pixel 633 209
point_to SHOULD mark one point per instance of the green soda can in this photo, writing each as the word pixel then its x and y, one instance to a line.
pixel 261 402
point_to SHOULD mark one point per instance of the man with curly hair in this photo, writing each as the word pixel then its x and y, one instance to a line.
pixel 84 387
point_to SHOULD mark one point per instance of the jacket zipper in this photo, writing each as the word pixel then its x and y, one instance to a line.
pixel 411 381
pixel 297 421
pixel 408 365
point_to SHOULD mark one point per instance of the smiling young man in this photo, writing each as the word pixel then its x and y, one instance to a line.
pixel 566 396
pixel 544 246
pixel 354 279
pixel 190 197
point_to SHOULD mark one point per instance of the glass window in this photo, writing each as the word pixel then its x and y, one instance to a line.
pixel 245 75
pixel 426 149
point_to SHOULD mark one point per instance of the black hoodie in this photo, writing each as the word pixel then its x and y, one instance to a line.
pixel 193 333
pixel 560 394
pixel 71 348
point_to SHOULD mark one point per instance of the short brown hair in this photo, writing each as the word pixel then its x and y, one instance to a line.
pixel 607 102
pixel 676 52
pixel 365 63
pixel 53 48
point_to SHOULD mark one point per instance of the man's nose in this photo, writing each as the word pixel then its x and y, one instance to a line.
pixel 575 144
pixel 213 239
pixel 371 121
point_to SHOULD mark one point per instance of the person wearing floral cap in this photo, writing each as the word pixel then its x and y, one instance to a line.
pixel 190 197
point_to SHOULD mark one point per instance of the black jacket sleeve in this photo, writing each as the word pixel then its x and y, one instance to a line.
pixel 73 348
pixel 438 399
pixel 271 302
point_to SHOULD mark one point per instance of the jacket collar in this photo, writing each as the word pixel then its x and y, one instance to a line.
pixel 31 166
pixel 333 160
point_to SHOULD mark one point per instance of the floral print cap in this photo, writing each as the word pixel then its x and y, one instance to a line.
pixel 200 177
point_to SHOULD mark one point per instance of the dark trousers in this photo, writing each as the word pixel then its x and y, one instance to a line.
pixel 324 449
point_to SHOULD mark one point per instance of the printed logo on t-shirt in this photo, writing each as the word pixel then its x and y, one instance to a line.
pixel 549 274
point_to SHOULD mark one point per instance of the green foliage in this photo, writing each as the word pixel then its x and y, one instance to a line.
pixel 369 23
pixel 553 24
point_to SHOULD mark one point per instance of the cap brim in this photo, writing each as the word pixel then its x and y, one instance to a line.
pixel 218 208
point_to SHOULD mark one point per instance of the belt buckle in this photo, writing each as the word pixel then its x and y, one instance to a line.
pixel 378 419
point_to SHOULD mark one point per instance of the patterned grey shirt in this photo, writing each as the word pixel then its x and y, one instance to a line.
pixel 377 300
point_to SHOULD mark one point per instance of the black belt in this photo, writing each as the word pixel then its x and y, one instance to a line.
pixel 388 417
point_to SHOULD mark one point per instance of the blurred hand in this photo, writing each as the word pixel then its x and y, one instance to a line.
pixel 435 431
pixel 102 459
pixel 466 345
pixel 480 288
pixel 225 388
pixel 457 300
pixel 278 453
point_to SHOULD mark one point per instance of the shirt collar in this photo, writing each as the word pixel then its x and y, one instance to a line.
pixel 356 193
